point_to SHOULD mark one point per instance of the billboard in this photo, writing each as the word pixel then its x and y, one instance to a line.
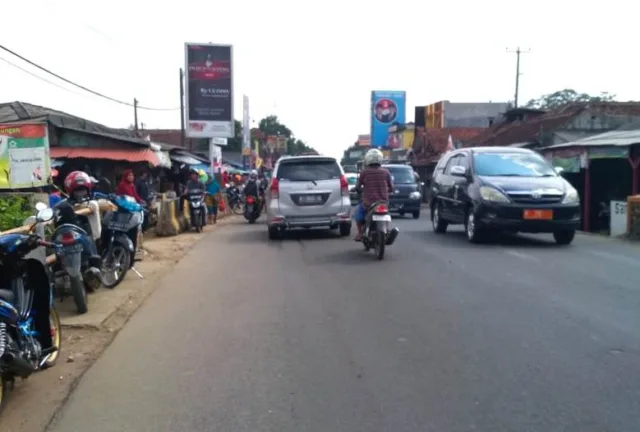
pixel 387 107
pixel 24 155
pixel 209 91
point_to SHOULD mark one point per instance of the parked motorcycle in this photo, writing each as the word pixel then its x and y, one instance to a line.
pixel 77 267
pixel 252 208
pixel 120 231
pixel 196 208
pixel 30 337
pixel 378 231
pixel 234 198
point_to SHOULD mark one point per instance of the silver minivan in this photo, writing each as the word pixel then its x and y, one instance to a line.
pixel 308 192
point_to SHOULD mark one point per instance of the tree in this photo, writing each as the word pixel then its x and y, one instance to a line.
pixel 271 126
pixel 566 96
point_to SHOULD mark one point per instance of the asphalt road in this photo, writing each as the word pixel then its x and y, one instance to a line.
pixel 313 334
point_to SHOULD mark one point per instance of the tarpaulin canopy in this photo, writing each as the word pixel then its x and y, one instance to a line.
pixel 183 159
pixel 132 155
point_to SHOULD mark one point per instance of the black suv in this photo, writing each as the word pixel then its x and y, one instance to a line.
pixel 502 189
pixel 406 197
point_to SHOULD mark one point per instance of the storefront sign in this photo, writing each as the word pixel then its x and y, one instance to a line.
pixel 209 91
pixel 608 153
pixel 24 155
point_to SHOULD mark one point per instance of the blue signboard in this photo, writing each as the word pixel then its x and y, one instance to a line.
pixel 387 108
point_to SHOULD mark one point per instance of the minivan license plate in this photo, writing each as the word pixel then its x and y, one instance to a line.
pixel 310 199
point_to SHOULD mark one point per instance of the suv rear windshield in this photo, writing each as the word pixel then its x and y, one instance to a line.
pixel 309 170
pixel 402 175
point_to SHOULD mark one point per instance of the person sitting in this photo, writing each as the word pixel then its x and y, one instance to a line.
pixel 127 186
pixel 376 185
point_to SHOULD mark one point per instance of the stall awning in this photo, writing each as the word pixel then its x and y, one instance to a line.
pixel 133 155
pixel 183 159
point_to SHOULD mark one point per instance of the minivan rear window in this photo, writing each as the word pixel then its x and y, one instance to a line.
pixel 402 175
pixel 309 170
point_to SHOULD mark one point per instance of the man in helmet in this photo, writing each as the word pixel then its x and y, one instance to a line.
pixel 252 187
pixel 375 184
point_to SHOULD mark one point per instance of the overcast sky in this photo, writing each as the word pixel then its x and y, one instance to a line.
pixel 314 64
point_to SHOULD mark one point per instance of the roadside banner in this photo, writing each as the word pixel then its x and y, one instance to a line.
pixel 246 131
pixel 387 108
pixel 24 155
pixel 209 91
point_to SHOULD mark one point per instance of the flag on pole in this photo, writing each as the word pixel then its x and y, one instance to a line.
pixel 450 145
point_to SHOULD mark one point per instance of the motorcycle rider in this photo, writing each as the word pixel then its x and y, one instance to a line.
pixel 194 186
pixel 78 186
pixel 377 184
pixel 253 187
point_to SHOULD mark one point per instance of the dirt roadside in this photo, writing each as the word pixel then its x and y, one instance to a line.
pixel 33 402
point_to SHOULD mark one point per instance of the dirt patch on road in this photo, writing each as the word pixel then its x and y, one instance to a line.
pixel 33 402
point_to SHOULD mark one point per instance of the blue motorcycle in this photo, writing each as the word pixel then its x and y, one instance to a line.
pixel 119 238
pixel 29 324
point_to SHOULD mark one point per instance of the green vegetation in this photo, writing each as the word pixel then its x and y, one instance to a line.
pixel 14 209
pixel 270 125
pixel 566 96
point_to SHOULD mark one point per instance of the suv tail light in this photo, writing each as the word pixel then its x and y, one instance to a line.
pixel 381 208
pixel 344 186
pixel 275 188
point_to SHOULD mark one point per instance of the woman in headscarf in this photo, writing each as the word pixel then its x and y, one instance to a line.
pixel 128 187
pixel 213 189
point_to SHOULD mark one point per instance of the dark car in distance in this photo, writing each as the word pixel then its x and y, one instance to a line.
pixel 493 189
pixel 406 196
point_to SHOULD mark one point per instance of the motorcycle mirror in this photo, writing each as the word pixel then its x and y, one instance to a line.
pixel 40 206
pixel 44 215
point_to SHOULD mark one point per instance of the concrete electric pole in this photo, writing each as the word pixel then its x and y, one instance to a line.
pixel 518 51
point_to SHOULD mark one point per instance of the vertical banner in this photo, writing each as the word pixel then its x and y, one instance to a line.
pixel 215 157
pixel 246 132
pixel 24 155
pixel 387 107
pixel 209 93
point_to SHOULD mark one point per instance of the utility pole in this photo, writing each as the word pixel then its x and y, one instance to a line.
pixel 518 51
pixel 135 114
pixel 182 113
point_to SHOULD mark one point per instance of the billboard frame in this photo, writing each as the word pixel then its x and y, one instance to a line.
pixel 185 114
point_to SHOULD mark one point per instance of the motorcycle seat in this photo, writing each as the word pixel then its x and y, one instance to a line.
pixel 7 295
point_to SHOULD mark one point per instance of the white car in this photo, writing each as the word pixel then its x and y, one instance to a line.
pixel 308 192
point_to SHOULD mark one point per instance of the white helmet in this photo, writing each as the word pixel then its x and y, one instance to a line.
pixel 373 156
pixel 253 173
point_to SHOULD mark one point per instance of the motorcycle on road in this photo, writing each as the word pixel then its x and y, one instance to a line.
pixel 378 229
pixel 195 198
pixel 252 209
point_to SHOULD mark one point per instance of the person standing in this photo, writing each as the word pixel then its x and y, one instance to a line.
pixel 213 190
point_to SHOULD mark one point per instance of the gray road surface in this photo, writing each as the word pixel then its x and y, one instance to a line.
pixel 312 334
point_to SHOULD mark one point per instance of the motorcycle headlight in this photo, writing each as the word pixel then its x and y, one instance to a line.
pixel 491 194
pixel 415 195
pixel 571 197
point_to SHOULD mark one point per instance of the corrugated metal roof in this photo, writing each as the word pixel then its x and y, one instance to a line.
pixel 617 138
pixel 22 112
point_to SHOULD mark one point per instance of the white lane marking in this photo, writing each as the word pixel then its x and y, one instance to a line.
pixel 521 255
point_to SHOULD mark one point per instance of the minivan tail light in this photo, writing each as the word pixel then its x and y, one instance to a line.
pixel 275 188
pixel 381 208
pixel 344 185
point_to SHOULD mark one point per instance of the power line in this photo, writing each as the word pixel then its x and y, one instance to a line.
pixel 39 77
pixel 42 68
